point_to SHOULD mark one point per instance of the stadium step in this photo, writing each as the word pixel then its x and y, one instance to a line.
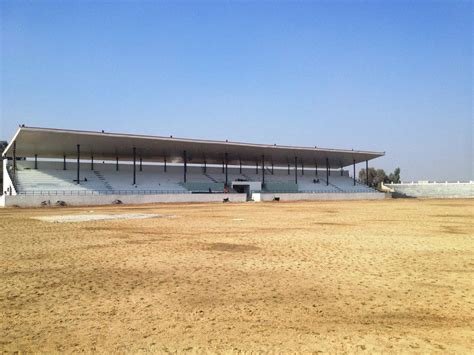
pixel 101 178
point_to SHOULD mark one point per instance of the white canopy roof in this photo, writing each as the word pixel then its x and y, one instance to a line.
pixel 55 143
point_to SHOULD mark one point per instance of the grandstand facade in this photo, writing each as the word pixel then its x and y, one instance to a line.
pixel 44 166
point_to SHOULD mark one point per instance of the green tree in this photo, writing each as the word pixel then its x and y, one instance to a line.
pixel 377 176
pixel 395 176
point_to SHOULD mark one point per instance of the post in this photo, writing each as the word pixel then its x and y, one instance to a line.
pixel 367 172
pixel 185 167
pixel 302 167
pixel 205 166
pixel 240 165
pixel 36 161
pixel 92 162
pixel 296 170
pixel 116 164
pixel 14 157
pixel 134 166
pixel 327 171
pixel 64 162
pixel 256 167
pixel 226 165
pixel 165 164
pixel 316 169
pixel 78 162
pixel 263 169
pixel 272 168
pixel 141 161
pixel 288 168
pixel 354 170
pixel 223 166
pixel 342 171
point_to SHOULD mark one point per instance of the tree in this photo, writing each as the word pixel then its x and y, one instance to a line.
pixel 377 176
pixel 395 176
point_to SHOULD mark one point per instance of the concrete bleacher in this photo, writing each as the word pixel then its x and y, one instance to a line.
pixel 104 178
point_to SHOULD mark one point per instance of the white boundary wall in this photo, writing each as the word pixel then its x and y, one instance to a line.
pixel 35 201
pixel 433 189
pixel 319 196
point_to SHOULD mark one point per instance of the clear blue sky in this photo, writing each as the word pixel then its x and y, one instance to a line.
pixel 394 76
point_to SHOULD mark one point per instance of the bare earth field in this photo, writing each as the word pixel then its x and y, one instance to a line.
pixel 384 276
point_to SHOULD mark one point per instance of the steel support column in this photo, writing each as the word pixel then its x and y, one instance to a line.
pixel 205 166
pixel 272 168
pixel 288 168
pixel 327 171
pixel 302 167
pixel 226 174
pixel 36 161
pixel 223 166
pixel 296 170
pixel 165 165
pixel 134 166
pixel 316 169
pixel 342 171
pixel 263 170
pixel 78 163
pixel 367 172
pixel 141 164
pixel 64 162
pixel 116 163
pixel 185 167
pixel 240 165
pixel 92 162
pixel 354 170
pixel 14 157
pixel 256 167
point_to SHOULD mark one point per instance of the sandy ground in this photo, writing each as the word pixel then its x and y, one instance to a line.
pixel 384 276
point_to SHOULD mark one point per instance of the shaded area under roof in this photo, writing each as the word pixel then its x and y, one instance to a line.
pixel 55 143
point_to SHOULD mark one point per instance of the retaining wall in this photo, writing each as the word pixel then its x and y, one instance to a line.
pixel 320 196
pixel 35 201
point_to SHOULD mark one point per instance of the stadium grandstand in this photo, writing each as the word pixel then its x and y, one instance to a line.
pixel 47 166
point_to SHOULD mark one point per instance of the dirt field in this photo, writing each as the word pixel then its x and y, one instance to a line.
pixel 385 276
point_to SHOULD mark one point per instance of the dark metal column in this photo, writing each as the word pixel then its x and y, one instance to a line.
pixel 14 157
pixel 342 171
pixel 36 161
pixel 141 162
pixel 327 171
pixel 185 157
pixel 92 162
pixel 302 168
pixel 296 170
pixel 116 164
pixel 263 169
pixel 134 166
pixel 223 167
pixel 240 165
pixel 354 170
pixel 78 162
pixel 165 164
pixel 64 162
pixel 272 168
pixel 205 166
pixel 226 166
pixel 288 168
pixel 256 167
pixel 367 172
pixel 316 169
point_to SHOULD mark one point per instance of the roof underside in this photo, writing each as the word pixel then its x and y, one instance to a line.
pixel 55 143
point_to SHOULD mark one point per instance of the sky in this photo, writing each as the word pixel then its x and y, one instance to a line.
pixel 393 76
